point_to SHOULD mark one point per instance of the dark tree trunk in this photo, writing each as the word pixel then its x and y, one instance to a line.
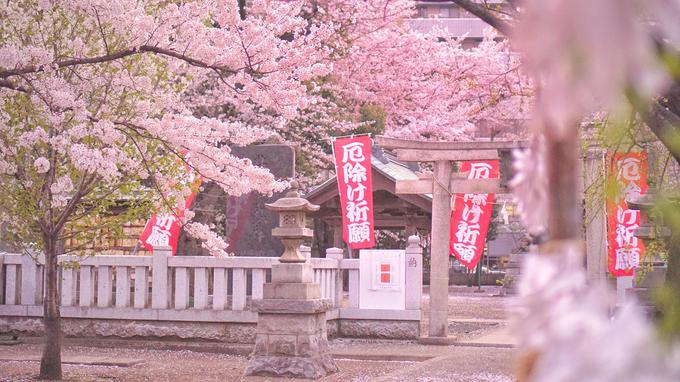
pixel 564 206
pixel 665 124
pixel 242 9
pixel 564 217
pixel 673 267
pixel 485 14
pixel 672 218
pixel 50 364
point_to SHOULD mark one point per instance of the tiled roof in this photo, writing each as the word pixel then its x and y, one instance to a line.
pixel 384 164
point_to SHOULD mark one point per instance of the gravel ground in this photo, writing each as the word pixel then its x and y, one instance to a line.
pixel 449 363
pixel 459 364
pixel 464 302
pixel 166 365
pixel 467 304
pixel 467 331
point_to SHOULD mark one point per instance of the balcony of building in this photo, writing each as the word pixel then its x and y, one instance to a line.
pixel 451 17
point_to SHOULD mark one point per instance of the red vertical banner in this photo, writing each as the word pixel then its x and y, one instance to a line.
pixel 471 215
pixel 355 183
pixel 164 229
pixel 629 172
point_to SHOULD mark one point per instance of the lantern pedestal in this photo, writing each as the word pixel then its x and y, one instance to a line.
pixel 291 323
pixel 291 326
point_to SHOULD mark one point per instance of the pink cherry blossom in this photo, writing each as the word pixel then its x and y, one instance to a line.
pixel 570 47
pixel 427 83
pixel 103 93
pixel 42 165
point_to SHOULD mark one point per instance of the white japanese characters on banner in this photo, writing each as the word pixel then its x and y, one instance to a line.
pixel 353 168
pixel 163 229
pixel 629 171
pixel 471 216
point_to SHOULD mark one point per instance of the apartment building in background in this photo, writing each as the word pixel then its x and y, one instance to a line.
pixel 457 20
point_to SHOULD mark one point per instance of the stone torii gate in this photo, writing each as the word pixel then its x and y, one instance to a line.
pixel 441 184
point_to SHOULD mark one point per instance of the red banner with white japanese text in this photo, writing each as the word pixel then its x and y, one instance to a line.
pixel 629 171
pixel 355 183
pixel 163 229
pixel 471 215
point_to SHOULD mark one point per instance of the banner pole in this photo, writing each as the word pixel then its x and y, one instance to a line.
pixel 479 274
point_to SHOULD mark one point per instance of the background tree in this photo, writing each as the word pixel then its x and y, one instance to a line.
pixel 585 57
pixel 427 85
pixel 97 103
pixel 388 78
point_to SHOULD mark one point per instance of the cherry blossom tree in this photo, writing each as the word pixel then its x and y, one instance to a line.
pixel 427 83
pixel 97 106
pixel 102 102
pixel 389 78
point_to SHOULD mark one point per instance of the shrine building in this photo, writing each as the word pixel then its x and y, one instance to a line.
pixel 392 212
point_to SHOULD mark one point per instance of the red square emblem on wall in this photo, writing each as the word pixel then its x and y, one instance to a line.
pixel 385 274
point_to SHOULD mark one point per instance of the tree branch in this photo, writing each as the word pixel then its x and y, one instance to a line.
pixel 11 85
pixel 112 57
pixel 664 124
pixel 488 16
pixel 84 188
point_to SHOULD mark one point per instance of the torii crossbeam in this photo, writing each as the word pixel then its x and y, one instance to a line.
pixel 441 185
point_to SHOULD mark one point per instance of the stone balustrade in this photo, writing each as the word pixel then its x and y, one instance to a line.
pixel 190 289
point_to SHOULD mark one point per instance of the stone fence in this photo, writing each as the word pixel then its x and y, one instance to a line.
pixel 194 297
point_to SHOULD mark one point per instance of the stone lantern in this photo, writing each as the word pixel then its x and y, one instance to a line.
pixel 292 229
pixel 291 336
pixel 648 231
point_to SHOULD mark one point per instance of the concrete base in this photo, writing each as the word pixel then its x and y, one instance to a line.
pixel 292 273
pixel 292 340
pixel 383 329
pixel 296 367
pixel 226 332
pixel 291 344
pixel 442 341
pixel 222 332
pixel 77 360
pixel 9 340
pixel 292 291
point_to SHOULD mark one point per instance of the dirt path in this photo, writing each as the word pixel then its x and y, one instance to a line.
pixel 471 315
pixel 459 364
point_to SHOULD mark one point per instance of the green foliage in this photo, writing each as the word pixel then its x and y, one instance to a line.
pixel 390 239
pixel 493 225
pixel 30 211
pixel 668 302
pixel 373 118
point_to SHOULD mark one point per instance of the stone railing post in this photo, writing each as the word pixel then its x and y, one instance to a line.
pixel 336 253
pixel 29 273
pixel 2 275
pixel 306 252
pixel 69 283
pixel 414 273
pixel 160 286
pixel 595 215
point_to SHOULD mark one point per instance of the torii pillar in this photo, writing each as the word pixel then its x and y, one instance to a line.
pixel 441 185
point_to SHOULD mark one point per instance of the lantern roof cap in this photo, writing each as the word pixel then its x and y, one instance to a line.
pixel 643 202
pixel 292 201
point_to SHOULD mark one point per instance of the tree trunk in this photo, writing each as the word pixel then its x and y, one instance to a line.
pixel 50 364
pixel 564 206
pixel 672 212
pixel 673 266
pixel 564 217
